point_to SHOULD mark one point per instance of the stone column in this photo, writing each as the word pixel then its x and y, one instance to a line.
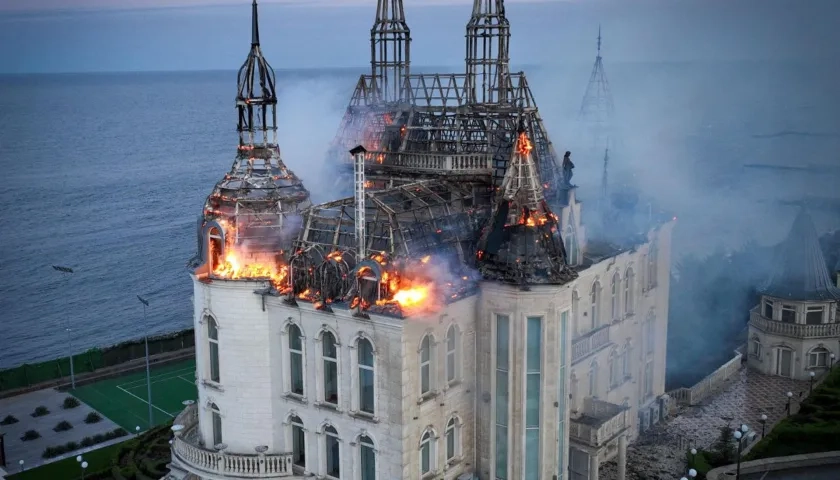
pixel 593 466
pixel 622 457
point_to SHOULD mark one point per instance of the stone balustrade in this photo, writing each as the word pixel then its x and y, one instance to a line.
pixel 590 343
pixel 600 422
pixel 795 330
pixel 441 162
pixel 202 461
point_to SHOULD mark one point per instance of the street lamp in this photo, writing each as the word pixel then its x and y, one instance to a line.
pixel 763 424
pixel 738 435
pixel 787 405
pixel 691 474
pixel 831 364
pixel 84 467
pixel 20 462
pixel 148 375
pixel 811 380
pixel 68 271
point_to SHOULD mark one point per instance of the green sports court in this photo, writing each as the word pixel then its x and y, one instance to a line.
pixel 123 399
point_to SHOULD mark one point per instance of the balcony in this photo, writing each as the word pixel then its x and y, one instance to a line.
pixel 795 330
pixel 590 343
pixel 209 463
pixel 599 423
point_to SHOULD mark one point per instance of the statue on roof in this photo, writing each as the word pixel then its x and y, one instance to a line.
pixel 567 169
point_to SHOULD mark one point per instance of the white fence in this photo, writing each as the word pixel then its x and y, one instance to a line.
pixel 710 384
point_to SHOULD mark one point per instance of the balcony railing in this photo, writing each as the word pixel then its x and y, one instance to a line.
pixel 201 461
pixel 464 163
pixel 590 343
pixel 796 330
pixel 600 422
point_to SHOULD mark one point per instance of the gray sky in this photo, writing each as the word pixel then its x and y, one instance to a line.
pixel 91 35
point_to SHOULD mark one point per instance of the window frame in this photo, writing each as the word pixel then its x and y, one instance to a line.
pixel 426 366
pixel 299 352
pixel 360 367
pixel 213 344
pixel 336 365
pixel 331 436
pixel 453 361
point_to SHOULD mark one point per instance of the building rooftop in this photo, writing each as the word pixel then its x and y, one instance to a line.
pixel 800 271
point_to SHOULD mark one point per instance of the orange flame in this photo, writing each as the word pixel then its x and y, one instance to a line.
pixel 524 145
pixel 237 266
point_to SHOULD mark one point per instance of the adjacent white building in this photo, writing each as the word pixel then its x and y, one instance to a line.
pixel 795 329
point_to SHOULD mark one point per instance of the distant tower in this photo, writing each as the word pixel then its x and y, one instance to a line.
pixel 488 58
pixel 604 184
pixel 596 111
pixel 256 99
pixel 390 52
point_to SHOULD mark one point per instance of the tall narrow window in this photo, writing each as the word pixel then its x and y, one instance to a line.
pixel 213 341
pixel 629 286
pixel 814 315
pixel 425 365
pixel 755 349
pixel 333 453
pixel 453 438
pixel 593 379
pixel 615 285
pixel 502 394
pixel 625 360
pixel 615 369
pixel 788 314
pixel 595 308
pixel 533 359
pixel 576 313
pixel 650 334
pixel 329 353
pixel 768 309
pixel 298 443
pixel 217 424
pixel 648 379
pixel 427 453
pixel 561 395
pixel 452 354
pixel 295 360
pixel 367 458
pixel 366 376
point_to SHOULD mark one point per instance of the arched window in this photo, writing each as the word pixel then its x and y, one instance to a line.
pixel 576 312
pixel 213 343
pixel 426 365
pixel 615 369
pixel 593 379
pixel 653 252
pixel 615 285
pixel 333 458
pixel 217 424
pixel 453 438
pixel 367 458
pixel 298 442
pixel 295 359
pixel 818 357
pixel 626 358
pixel 329 355
pixel 570 242
pixel 595 308
pixel 427 452
pixel 366 375
pixel 629 287
pixel 452 344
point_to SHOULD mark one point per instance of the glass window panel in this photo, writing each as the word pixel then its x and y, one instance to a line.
pixel 333 460
pixel 214 362
pixel 450 340
pixel 212 329
pixel 365 353
pixel 297 373
pixel 501 397
pixel 298 446
pixel 424 378
pixel 330 381
pixel 367 389
pixel 450 366
pixel 328 346
pixel 501 452
pixel 425 457
pixel 450 443
pixel 294 338
pixel 814 317
pixel 368 460
pixel 532 454
pixel 502 341
pixel 425 349
pixel 534 343
pixel 217 427
pixel 532 401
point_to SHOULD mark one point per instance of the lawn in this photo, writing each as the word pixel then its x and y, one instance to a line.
pixel 123 399
pixel 815 428
pixel 69 467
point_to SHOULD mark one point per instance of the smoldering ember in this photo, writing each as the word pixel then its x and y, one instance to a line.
pixel 454 312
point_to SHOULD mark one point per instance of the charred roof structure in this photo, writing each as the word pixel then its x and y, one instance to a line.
pixel 801 272
pixel 254 209
pixel 430 126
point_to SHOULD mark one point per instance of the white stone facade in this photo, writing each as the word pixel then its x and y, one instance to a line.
pixel 253 401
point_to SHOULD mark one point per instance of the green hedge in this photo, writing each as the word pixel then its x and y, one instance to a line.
pixel 93 359
pixel 815 428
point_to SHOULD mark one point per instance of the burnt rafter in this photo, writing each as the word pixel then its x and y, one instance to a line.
pixel 488 55
pixel 256 98
pixel 390 51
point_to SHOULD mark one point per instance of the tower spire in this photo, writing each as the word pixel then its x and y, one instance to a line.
pixel 255 25
pixel 390 52
pixel 596 110
pixel 256 99
pixel 488 59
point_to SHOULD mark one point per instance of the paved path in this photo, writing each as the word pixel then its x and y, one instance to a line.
pixel 826 472
pixel 659 454
pixel 21 407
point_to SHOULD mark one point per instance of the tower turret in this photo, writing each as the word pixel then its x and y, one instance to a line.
pixel 597 108
pixel 522 243
pixel 488 58
pixel 256 99
pixel 390 52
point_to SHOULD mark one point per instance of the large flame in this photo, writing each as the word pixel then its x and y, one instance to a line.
pixel 524 145
pixel 238 264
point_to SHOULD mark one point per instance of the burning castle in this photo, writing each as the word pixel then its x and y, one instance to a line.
pixel 430 324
